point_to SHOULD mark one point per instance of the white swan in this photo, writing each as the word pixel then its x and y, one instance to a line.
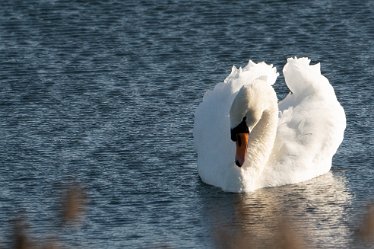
pixel 275 144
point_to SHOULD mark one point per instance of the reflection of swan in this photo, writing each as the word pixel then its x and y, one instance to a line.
pixel 275 144
pixel 318 210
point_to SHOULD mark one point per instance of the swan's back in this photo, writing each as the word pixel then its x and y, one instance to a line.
pixel 311 126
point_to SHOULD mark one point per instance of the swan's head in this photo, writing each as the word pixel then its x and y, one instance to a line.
pixel 246 111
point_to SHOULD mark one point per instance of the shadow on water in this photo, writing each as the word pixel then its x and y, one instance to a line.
pixel 307 215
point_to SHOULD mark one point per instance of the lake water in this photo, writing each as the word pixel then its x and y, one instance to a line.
pixel 103 93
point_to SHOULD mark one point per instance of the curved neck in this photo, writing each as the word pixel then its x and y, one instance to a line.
pixel 261 141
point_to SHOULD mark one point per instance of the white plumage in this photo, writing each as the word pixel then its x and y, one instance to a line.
pixel 290 142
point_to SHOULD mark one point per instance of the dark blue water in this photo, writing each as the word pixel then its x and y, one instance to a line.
pixel 103 93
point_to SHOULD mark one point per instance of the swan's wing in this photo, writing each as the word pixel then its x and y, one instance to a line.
pixel 311 124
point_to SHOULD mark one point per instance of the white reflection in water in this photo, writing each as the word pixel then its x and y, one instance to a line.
pixel 311 214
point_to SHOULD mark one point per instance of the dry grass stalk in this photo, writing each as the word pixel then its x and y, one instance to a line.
pixel 20 238
pixel 287 237
pixel 284 237
pixel 73 204
pixel 239 240
pixel 366 230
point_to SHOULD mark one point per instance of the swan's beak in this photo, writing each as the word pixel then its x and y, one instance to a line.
pixel 241 148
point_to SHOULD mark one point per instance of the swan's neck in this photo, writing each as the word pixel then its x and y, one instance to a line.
pixel 261 141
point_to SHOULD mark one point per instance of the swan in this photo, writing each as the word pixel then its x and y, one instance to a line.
pixel 245 139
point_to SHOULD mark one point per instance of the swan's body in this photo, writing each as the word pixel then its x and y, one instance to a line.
pixel 289 142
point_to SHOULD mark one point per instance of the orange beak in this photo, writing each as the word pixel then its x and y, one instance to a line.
pixel 241 148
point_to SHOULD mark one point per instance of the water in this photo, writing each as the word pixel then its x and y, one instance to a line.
pixel 103 93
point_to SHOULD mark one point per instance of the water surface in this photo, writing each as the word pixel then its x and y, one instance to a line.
pixel 104 93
